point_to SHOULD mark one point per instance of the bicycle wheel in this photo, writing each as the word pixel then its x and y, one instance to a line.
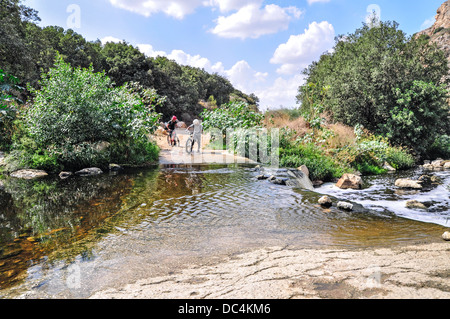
pixel 189 145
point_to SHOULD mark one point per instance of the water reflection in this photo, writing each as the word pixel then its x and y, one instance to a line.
pixel 144 220
pixel 41 216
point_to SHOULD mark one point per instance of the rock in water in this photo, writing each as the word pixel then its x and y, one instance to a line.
pixel 115 167
pixel 29 174
pixel 415 204
pixel 446 236
pixel 325 201
pixel 89 171
pixel 64 175
pixel 350 181
pixel 345 206
pixel 299 179
pixel 408 183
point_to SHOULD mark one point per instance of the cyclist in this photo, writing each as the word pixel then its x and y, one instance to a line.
pixel 170 126
pixel 197 134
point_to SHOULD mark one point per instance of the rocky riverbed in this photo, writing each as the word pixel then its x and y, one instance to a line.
pixel 420 271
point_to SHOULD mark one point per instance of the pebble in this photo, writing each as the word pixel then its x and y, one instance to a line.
pixel 325 201
pixel 446 236
pixel 345 206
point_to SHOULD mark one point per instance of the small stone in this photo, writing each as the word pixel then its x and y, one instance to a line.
pixel 304 169
pixel 411 204
pixel 408 183
pixel 89 171
pixel 446 236
pixel 64 175
pixel 388 167
pixel 29 174
pixel 437 163
pixel 345 206
pixel 428 167
pixel 262 177
pixel 279 181
pixel 447 165
pixel 115 167
pixel 350 181
pixel 325 201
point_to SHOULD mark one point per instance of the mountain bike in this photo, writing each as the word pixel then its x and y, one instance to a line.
pixel 190 143
pixel 174 141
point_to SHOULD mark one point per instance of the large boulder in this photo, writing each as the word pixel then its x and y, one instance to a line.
pixel 299 178
pixel 29 174
pixel 89 171
pixel 350 181
pixel 408 183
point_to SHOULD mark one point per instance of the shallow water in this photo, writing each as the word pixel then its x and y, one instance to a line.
pixel 70 238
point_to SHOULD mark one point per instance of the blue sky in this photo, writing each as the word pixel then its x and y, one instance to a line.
pixel 261 46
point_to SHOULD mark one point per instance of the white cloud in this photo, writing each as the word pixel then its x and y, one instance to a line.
pixel 310 2
pixel 110 39
pixel 174 8
pixel 300 50
pixel 252 21
pixel 148 50
pixel 282 92
pixel 230 5
pixel 428 23
pixel 244 77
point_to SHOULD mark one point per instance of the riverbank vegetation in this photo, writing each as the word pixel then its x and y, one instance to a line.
pixel 376 101
pixel 79 119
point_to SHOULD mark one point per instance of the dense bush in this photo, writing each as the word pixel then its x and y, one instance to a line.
pixel 321 166
pixel 78 119
pixel 387 82
pixel 419 117
pixel 9 91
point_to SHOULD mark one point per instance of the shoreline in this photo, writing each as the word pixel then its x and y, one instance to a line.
pixel 400 272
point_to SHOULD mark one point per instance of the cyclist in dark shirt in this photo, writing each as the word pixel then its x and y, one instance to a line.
pixel 171 125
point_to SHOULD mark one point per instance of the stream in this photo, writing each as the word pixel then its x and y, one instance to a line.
pixel 70 238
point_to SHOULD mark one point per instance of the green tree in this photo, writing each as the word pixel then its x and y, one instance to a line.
pixel 365 71
pixel 419 116
pixel 15 55
pixel 78 118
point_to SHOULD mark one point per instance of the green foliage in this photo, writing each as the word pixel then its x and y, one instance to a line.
pixel 420 115
pixel 399 158
pixel 78 115
pixel 321 166
pixel 236 114
pixel 440 147
pixel 27 50
pixel 369 72
pixel 9 91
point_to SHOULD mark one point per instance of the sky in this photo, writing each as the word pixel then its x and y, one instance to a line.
pixel 261 46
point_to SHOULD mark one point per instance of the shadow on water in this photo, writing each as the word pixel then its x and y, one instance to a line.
pixel 123 227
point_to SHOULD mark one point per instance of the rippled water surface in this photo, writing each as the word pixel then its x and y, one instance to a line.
pixel 70 238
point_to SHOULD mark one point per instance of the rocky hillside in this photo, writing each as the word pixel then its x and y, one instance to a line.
pixel 439 32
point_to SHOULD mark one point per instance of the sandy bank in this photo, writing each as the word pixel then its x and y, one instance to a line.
pixel 282 273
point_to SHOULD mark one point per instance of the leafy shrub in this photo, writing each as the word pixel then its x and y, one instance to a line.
pixel 399 158
pixel 77 115
pixel 440 148
pixel 236 114
pixel 321 166
pixel 8 107
pixel 419 117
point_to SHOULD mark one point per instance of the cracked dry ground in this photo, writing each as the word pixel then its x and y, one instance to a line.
pixel 284 273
